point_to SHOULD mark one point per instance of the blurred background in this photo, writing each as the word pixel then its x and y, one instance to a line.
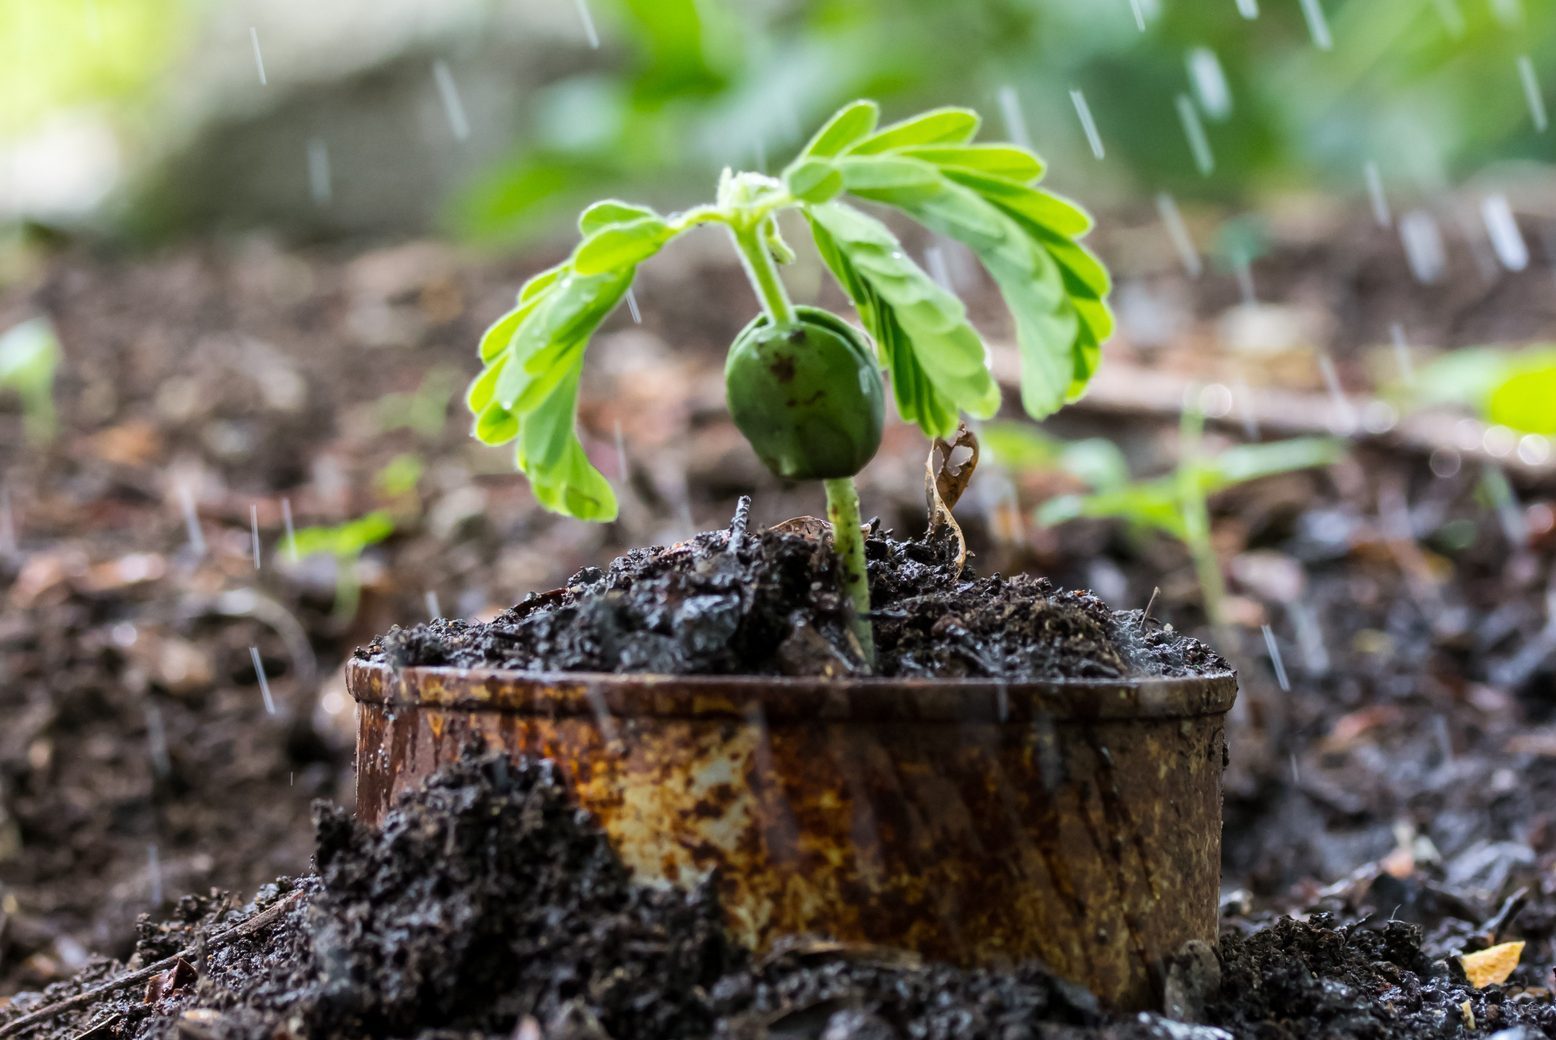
pixel 247 249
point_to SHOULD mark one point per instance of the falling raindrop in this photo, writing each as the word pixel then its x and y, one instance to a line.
pixel 319 171
pixel 1344 419
pixel 191 520
pixel 1509 12
pixel 632 307
pixel 1453 18
pixel 8 545
pixel 1423 242
pixel 1296 772
pixel 259 59
pixel 1511 250
pixel 154 872
pixel 453 107
pixel 156 741
pixel 934 259
pixel 588 24
pixel 1245 409
pixel 1139 12
pixel 291 531
pixel 1275 659
pixel 1532 93
pixel 254 532
pixel 1088 124
pixel 602 713
pixel 434 608
pixel 1317 24
pixel 1310 636
pixel 264 681
pixel 621 452
pixel 1242 269
pixel 1194 131
pixel 1510 513
pixel 1248 8
pixel 1015 121
pixel 1380 202
pixel 1407 369
pixel 1444 738
pixel 1167 206
pixel 1209 81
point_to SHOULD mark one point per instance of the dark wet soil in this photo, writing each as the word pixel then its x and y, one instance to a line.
pixel 768 603
pixel 1409 772
pixel 489 905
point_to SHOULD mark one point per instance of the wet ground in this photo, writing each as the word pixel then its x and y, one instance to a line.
pixel 488 906
pixel 740 602
pixel 1408 773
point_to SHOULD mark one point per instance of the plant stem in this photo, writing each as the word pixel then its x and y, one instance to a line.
pixel 763 273
pixel 848 543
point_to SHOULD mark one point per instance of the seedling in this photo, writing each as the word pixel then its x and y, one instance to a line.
pixel 345 543
pixel 1176 504
pixel 804 385
pixel 29 357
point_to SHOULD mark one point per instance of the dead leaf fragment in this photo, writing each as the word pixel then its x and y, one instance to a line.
pixel 166 983
pixel 947 472
pixel 1493 965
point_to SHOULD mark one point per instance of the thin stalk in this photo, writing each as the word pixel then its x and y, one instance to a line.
pixel 1194 513
pixel 763 274
pixel 848 543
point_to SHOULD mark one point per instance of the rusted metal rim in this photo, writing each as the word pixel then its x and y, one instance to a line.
pixel 783 699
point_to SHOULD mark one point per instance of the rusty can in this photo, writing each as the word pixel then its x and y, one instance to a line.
pixel 970 821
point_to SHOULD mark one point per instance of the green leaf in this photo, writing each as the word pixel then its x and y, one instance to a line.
pixel 529 390
pixel 611 211
pixel 1525 399
pixel 1042 210
pixel 937 126
pixel 1059 317
pixel 617 247
pixel 484 387
pixel 849 125
pixel 1003 161
pixel 934 355
pixel 888 178
pixel 539 283
pixel 813 180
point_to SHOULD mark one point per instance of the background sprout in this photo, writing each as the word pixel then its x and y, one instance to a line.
pixel 345 543
pixel 29 357
pixel 804 386
pixel 1176 504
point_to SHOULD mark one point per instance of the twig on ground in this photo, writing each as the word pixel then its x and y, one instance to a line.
pixel 242 930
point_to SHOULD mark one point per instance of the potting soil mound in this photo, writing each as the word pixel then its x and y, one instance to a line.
pixel 768 603
pixel 488 905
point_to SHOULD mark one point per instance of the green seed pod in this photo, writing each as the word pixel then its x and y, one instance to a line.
pixel 808 396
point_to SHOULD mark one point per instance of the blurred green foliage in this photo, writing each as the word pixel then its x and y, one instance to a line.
pixel 1427 90
pixel 1515 388
pixel 29 358
pixel 60 54
pixel 1430 90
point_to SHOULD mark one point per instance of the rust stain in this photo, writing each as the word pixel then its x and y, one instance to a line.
pixel 1078 823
